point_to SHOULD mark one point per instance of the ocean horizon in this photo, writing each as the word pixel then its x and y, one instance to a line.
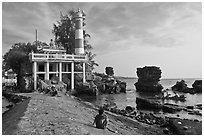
pixel 129 77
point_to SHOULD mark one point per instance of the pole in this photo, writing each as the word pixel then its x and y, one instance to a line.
pixel 84 72
pixel 36 37
pixel 60 71
pixel 35 74
pixel 47 70
pixel 72 75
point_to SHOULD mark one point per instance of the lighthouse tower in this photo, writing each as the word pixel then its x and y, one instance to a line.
pixel 79 39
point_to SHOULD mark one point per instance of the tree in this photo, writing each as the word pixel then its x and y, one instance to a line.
pixel 90 63
pixel 17 59
pixel 64 32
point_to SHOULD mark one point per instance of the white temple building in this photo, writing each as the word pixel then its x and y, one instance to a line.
pixel 53 61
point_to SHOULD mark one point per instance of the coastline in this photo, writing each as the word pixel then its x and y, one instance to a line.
pixel 65 115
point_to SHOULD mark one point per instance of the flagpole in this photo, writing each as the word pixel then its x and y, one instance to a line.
pixel 36 36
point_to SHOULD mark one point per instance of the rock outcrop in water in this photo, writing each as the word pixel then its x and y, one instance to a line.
pixel 109 71
pixel 99 83
pixel 148 79
pixel 181 86
pixel 197 86
pixel 151 104
pixel 89 89
pixel 107 83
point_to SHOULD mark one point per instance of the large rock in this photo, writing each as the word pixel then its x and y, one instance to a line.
pixel 109 71
pixel 181 86
pixel 197 86
pixel 148 79
pixel 148 104
pixel 88 88
pixel 109 84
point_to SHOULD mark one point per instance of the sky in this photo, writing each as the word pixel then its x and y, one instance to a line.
pixel 124 35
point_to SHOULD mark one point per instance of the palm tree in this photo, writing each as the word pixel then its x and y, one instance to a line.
pixel 90 63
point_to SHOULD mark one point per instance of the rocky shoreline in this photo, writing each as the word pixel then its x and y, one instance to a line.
pixel 41 106
pixel 170 125
pixel 65 115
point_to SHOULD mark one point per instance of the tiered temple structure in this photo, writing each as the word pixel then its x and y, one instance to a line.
pixel 55 62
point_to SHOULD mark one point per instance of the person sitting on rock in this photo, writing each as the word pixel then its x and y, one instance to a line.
pixel 101 119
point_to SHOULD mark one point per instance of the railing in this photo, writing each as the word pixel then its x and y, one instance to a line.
pixel 53 57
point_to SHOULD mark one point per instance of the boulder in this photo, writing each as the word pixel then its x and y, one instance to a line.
pixel 198 106
pixel 197 86
pixel 148 79
pixel 86 89
pixel 121 85
pixel 189 107
pixel 171 108
pixel 181 86
pixel 129 109
pixel 109 84
pixel 148 104
pixel 109 71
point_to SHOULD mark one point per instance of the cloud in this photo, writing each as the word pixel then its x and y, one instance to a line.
pixel 155 24
pixel 142 32
pixel 118 22
pixel 20 21
pixel 110 24
pixel 183 22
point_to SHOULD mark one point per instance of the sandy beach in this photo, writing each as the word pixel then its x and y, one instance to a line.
pixel 65 115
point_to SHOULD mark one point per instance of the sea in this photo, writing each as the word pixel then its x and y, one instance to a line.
pixel 129 98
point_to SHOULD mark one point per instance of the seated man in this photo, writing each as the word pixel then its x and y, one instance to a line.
pixel 101 119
